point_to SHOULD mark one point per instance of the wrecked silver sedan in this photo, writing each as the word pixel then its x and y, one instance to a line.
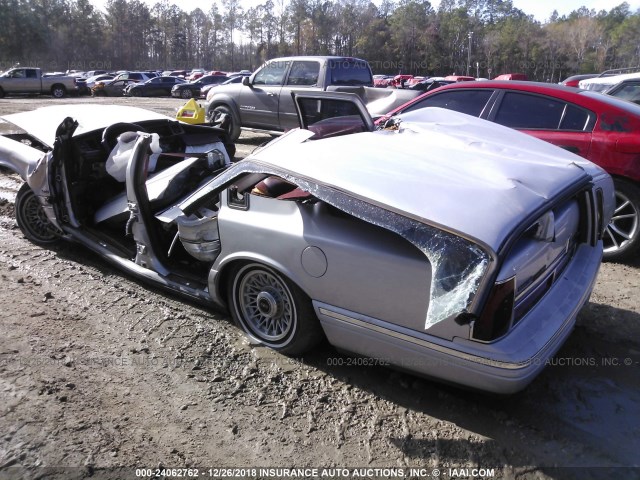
pixel 446 246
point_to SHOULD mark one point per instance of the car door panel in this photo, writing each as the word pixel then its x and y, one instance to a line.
pixel 574 142
pixel 259 101
pixel 259 106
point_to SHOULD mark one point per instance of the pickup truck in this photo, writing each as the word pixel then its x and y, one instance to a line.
pixel 263 101
pixel 31 81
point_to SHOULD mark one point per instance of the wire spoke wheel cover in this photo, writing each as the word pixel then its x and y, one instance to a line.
pixel 265 304
pixel 272 309
pixel 32 219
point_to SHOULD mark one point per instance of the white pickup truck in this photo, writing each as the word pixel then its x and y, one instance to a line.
pixel 30 81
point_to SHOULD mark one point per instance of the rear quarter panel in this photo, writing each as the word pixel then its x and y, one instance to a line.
pixel 369 270
pixel 617 152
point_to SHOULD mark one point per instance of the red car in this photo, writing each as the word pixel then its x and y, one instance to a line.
pixel 598 127
pixel 511 76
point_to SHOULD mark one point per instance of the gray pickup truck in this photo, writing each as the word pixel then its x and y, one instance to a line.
pixel 30 81
pixel 263 102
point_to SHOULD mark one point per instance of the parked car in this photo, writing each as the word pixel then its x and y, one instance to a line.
pixel 81 87
pixel 193 89
pixel 93 73
pixel 382 81
pixel 626 90
pixel 137 76
pixel 512 76
pixel 103 77
pixel 195 74
pixel 598 127
pixel 111 88
pixel 460 78
pixel 204 91
pixel 177 73
pixel 399 81
pixel 32 81
pixel 417 264
pixel 430 84
pixel 604 82
pixel 241 73
pixel 574 80
pixel 156 87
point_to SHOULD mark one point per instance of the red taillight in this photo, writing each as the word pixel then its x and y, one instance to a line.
pixel 498 312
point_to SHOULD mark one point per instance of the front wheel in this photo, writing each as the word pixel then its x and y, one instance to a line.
pixel 272 310
pixel 227 123
pixel 622 235
pixel 32 220
pixel 186 93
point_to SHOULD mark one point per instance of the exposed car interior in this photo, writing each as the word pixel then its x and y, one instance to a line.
pixel 181 158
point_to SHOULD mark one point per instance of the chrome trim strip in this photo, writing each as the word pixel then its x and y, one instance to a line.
pixel 440 348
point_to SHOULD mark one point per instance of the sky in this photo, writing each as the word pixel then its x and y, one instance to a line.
pixel 540 9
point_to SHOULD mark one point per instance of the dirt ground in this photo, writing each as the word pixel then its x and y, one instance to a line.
pixel 101 376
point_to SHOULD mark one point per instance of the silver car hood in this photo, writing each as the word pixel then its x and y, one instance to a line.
pixel 43 122
pixel 467 175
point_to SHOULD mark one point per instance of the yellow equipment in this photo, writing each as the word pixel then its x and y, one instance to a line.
pixel 191 113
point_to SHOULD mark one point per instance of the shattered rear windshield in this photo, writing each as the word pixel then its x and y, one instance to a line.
pixel 458 265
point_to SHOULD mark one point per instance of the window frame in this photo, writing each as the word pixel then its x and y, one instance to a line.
pixel 497 104
pixel 483 113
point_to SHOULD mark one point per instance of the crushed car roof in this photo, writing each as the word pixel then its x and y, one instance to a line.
pixel 43 122
pixel 441 166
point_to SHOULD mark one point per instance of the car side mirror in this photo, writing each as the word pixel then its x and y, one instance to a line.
pixel 246 82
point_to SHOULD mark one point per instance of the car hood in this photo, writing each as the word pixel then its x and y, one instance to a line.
pixel 445 168
pixel 43 122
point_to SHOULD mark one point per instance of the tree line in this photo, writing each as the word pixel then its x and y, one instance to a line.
pixel 478 37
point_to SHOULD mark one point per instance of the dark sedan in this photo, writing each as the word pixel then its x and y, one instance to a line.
pixel 156 87
pixel 194 89
pixel 229 80
pixel 598 127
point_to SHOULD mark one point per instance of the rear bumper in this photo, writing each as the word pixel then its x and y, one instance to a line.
pixel 504 367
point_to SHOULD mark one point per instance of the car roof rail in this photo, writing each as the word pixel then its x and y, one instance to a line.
pixel 618 71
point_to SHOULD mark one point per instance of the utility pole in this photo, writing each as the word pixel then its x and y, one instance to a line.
pixel 469 54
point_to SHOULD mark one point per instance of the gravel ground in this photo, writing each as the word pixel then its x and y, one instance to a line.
pixel 100 376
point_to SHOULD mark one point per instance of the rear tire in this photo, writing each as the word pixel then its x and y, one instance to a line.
pixel 622 235
pixel 272 310
pixel 32 220
pixel 58 91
